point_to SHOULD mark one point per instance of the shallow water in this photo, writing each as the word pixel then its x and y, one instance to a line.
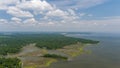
pixel 106 54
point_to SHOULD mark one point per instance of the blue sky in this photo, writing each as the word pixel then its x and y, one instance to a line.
pixel 60 15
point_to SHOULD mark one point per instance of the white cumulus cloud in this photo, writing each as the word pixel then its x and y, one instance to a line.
pixel 18 12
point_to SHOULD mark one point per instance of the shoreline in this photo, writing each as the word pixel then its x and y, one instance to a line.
pixel 30 55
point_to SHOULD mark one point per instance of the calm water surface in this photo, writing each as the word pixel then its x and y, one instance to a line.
pixel 106 54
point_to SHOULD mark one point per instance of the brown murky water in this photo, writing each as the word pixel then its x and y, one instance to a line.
pixel 106 54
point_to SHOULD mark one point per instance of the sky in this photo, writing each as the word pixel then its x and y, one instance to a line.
pixel 60 15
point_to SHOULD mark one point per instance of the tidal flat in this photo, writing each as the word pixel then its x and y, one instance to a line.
pixel 32 56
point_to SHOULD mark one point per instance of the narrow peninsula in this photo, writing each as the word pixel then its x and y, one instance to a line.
pixel 38 50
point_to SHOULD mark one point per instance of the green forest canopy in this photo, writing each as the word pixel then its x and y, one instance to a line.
pixel 13 43
pixel 10 63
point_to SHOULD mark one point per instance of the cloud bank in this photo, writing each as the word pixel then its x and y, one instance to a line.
pixel 54 15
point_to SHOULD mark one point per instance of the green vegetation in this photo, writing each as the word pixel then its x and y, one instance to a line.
pixel 55 56
pixel 10 63
pixel 14 42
